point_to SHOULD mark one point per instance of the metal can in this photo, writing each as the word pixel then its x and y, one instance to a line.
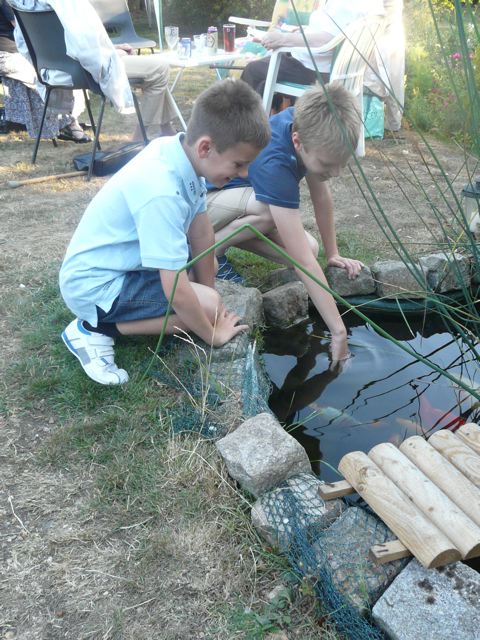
pixel 212 40
pixel 185 48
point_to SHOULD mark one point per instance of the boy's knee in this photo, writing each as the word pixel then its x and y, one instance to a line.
pixel 313 245
pixel 263 219
pixel 212 298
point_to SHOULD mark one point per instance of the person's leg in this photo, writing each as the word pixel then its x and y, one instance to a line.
pixel 140 309
pixel 291 70
pixel 156 103
pixel 261 248
pixel 208 298
pixel 230 209
pixel 227 210
pixel 16 67
pixel 255 73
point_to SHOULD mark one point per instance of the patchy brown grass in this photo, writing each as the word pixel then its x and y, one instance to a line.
pixel 111 527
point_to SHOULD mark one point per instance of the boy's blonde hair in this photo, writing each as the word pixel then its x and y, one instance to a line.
pixel 328 118
pixel 229 112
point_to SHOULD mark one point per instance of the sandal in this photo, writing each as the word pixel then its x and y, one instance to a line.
pixel 72 134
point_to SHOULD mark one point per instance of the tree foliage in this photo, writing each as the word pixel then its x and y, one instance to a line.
pixel 195 16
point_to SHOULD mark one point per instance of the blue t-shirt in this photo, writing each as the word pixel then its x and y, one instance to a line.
pixel 276 172
pixel 138 220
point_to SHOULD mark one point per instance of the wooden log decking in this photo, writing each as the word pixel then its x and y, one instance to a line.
pixel 427 493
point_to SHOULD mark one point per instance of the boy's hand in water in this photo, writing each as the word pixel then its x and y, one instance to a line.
pixel 339 347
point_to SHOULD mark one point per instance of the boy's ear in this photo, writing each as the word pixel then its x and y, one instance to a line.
pixel 204 146
pixel 296 140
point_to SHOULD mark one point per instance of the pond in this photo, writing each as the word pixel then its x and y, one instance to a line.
pixel 382 394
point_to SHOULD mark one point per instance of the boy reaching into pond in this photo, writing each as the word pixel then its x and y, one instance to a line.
pixel 120 266
pixel 314 139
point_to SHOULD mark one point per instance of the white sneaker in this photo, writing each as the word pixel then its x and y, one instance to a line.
pixel 95 353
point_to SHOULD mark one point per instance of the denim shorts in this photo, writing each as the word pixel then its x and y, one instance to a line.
pixel 140 298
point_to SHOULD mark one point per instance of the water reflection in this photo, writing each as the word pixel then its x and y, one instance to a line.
pixel 382 394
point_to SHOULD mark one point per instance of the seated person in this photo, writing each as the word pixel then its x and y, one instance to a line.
pixel 156 101
pixel 324 24
pixel 309 140
pixel 388 81
pixel 23 103
pixel 87 41
pixel 121 265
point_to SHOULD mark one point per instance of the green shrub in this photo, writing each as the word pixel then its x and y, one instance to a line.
pixel 440 59
pixel 194 16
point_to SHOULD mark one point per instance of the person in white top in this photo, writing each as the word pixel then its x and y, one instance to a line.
pixel 87 41
pixel 324 24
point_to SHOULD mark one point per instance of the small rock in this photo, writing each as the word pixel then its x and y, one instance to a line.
pixel 260 454
pixel 280 592
pixel 286 305
pixel 362 285
pixel 277 277
pixel 396 280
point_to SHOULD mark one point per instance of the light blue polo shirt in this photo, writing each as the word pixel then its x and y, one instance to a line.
pixel 138 220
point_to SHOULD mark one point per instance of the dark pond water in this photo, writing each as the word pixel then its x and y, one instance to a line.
pixel 382 394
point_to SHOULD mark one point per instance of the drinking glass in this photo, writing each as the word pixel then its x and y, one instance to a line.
pixel 199 42
pixel 171 37
pixel 229 38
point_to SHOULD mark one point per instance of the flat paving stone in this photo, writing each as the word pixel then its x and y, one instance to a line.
pixel 442 604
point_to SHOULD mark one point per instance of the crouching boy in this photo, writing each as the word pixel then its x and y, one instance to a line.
pixel 120 266
pixel 314 140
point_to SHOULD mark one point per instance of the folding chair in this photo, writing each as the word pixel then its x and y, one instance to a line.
pixel 117 21
pixel 45 39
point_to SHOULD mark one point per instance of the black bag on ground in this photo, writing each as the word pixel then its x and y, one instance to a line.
pixel 108 161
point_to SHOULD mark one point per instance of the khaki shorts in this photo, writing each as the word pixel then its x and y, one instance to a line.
pixel 226 205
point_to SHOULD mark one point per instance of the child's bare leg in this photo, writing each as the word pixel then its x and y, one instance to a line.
pixel 257 214
pixel 208 298
pixel 261 248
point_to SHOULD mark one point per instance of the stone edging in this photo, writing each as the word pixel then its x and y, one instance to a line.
pixel 272 466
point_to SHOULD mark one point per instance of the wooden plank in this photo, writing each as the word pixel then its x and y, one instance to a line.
pixel 458 453
pixel 442 472
pixel 388 552
pixel 426 542
pixel 470 433
pixel 431 500
pixel 331 490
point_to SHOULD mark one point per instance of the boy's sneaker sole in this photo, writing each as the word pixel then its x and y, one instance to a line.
pixel 95 353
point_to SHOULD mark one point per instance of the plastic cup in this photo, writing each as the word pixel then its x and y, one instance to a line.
pixel 199 42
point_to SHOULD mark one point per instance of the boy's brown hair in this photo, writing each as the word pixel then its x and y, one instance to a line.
pixel 229 112
pixel 328 118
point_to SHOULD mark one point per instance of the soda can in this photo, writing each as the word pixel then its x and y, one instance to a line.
pixel 185 48
pixel 212 40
